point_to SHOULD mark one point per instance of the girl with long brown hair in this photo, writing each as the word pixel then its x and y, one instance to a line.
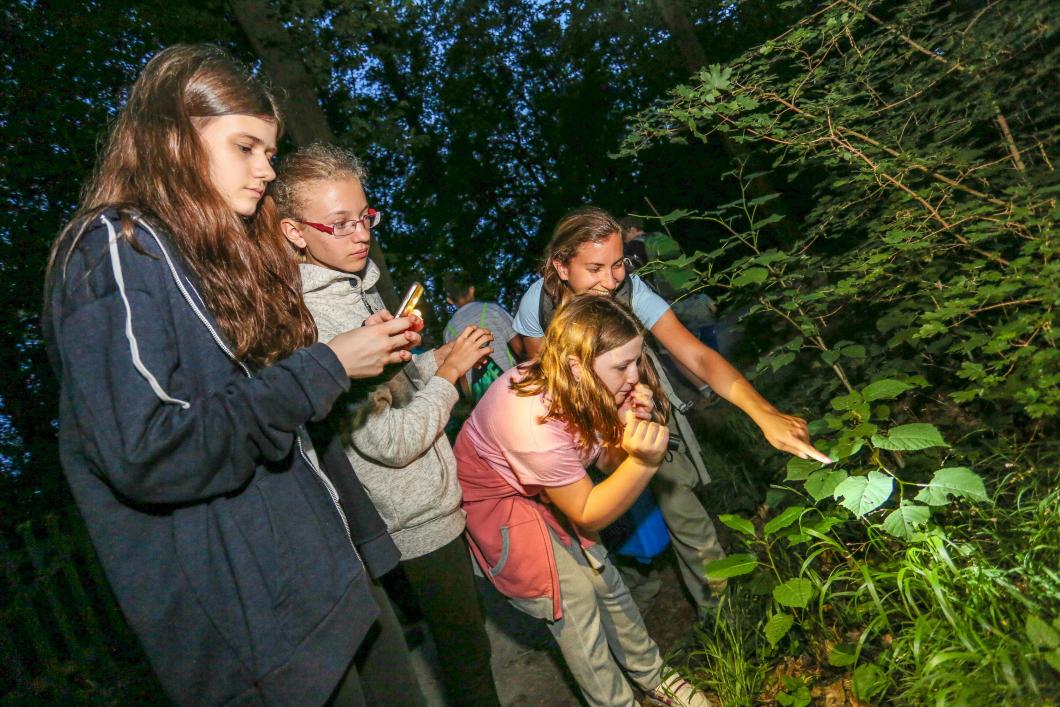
pixel 532 512
pixel 238 548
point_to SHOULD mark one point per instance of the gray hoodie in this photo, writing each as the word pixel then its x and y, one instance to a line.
pixel 395 439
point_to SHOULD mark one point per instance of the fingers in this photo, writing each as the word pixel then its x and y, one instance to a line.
pixel 805 450
pixel 396 325
pixel 399 356
pixel 378 318
pixel 403 340
pixel 479 334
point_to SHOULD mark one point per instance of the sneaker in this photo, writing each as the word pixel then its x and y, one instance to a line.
pixel 675 691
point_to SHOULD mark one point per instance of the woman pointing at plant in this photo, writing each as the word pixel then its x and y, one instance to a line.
pixel 585 256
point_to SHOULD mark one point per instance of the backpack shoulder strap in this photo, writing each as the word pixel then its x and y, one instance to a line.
pixel 545 309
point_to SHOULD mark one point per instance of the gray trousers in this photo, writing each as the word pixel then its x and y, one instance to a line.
pixel 601 633
pixel 692 532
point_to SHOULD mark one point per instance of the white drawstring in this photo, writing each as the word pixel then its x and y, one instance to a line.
pixel 134 349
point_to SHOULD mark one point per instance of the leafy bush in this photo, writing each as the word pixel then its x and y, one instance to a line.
pixel 920 301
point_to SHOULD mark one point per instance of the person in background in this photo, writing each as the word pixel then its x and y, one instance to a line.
pixel 697 311
pixel 236 546
pixel 394 438
pixel 533 512
pixel 585 256
pixel 460 292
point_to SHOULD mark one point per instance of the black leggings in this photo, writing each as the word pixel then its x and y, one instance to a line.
pixel 381 673
pixel 444 585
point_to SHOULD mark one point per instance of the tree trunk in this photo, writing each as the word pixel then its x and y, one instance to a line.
pixel 695 58
pixel 305 120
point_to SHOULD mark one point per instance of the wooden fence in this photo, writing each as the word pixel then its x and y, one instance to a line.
pixel 64 638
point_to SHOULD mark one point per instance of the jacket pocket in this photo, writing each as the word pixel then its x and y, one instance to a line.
pixel 520 560
pixel 230 557
pixel 506 547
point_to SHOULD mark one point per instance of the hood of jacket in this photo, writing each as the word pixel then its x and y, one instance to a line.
pixel 316 278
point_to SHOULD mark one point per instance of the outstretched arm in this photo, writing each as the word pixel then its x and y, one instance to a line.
pixel 785 432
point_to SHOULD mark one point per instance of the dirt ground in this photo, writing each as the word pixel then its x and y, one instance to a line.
pixel 526 663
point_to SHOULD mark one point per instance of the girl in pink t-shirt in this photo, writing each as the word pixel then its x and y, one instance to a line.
pixel 532 511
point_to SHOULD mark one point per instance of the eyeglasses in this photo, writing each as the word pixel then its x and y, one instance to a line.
pixel 370 220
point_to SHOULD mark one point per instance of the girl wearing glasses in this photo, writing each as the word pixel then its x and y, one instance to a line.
pixel 590 397
pixel 395 438
pixel 188 371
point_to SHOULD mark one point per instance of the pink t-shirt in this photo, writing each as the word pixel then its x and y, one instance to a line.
pixel 506 432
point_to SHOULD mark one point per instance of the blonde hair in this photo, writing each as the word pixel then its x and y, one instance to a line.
pixel 583 329
pixel 314 163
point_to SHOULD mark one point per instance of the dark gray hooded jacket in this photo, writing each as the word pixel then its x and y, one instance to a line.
pixel 238 560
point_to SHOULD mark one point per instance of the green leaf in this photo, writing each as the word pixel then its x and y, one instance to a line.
pixel 788 516
pixel 800 469
pixel 847 402
pixel 781 360
pixel 868 681
pixel 825 523
pixel 904 520
pixel 795 593
pixel 675 215
pixel 886 389
pixel 821 484
pixel 777 627
pixel 907 438
pixel 1053 659
pixel 750 276
pixel 855 351
pixel 845 448
pixel 957 481
pixel 1041 634
pixel 762 583
pixel 843 655
pixel 731 566
pixel 863 494
pixel 740 525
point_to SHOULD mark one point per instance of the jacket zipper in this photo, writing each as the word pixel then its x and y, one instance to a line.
pixel 324 480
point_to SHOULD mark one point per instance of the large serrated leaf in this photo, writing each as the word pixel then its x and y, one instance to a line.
pixel 821 484
pixel 911 437
pixel 783 520
pixel 863 494
pixel 904 520
pixel 731 566
pixel 958 481
pixel 740 525
pixel 800 469
pixel 777 627
pixel 886 389
pixel 795 593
